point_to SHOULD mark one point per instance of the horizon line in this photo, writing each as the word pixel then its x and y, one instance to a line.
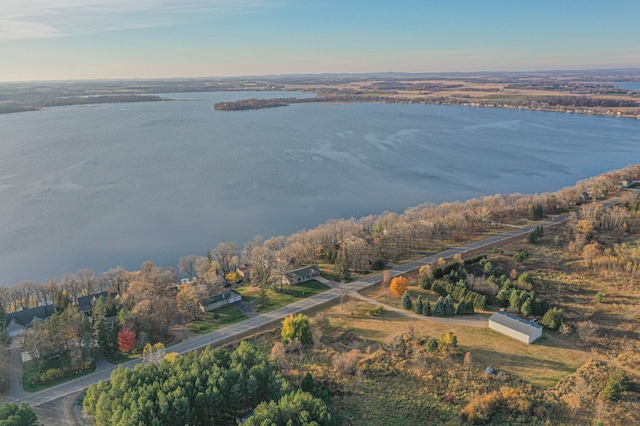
pixel 368 73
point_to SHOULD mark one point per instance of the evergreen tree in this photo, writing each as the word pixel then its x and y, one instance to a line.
pixel 469 304
pixel 342 263
pixel 3 325
pixel 552 319
pixel 432 345
pixel 536 212
pixel 426 308
pixel 449 306
pixel 462 308
pixel 308 384
pixel 295 409
pixel 418 306
pixel 514 301
pixel 406 301
pixel 526 307
pixel 439 310
pixel 263 295
pixel 18 415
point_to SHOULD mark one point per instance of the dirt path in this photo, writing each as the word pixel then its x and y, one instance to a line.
pixel 58 412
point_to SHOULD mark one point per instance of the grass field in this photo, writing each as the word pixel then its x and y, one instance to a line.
pixel 289 295
pixel 544 363
pixel 214 320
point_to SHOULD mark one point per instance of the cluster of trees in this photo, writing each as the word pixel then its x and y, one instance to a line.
pixel 362 244
pixel 99 99
pixel 61 345
pixel 518 300
pixel 460 293
pixel 17 415
pixel 214 386
pixel 199 388
pixel 449 279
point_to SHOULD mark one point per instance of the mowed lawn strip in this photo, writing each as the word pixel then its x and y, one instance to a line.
pixel 216 319
pixel 289 294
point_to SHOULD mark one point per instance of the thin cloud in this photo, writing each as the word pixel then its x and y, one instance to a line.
pixel 29 19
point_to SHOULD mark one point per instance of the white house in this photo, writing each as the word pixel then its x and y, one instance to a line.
pixel 515 327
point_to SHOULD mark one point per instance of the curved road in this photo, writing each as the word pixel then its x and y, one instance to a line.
pixel 251 325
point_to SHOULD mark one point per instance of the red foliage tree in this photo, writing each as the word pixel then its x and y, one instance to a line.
pixel 126 340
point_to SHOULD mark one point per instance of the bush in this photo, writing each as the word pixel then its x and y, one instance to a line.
pixel 432 345
pixel 374 312
pixel 521 256
pixel 552 319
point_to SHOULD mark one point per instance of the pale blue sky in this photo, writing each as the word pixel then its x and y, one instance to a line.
pixel 85 39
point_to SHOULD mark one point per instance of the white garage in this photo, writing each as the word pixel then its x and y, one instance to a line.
pixel 513 326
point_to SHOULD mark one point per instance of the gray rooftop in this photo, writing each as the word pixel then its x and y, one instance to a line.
pixel 26 316
pixel 515 323
pixel 303 272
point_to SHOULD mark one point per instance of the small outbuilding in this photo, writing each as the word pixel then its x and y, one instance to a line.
pixel 515 327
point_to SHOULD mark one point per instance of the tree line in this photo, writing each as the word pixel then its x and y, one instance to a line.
pixel 352 245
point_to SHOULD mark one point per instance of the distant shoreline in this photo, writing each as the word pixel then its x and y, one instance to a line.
pixel 254 104
pixel 81 100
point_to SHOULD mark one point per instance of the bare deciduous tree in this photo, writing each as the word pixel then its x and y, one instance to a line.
pixel 227 256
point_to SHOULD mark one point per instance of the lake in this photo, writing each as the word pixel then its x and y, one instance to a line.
pixel 107 185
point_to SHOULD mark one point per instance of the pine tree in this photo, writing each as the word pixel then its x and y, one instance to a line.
pixel 469 303
pixel 440 304
pixel 526 307
pixel 406 301
pixel 342 263
pixel 449 307
pixel 419 306
pixel 462 308
pixel 432 345
pixel 426 308
pixel 3 325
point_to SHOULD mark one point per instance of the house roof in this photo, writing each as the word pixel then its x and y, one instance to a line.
pixel 85 303
pixel 303 272
pixel 515 323
pixel 222 296
pixel 26 316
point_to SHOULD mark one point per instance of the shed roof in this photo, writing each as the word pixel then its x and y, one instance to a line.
pixel 515 323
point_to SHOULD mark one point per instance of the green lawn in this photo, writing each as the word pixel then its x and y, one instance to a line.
pixel 290 294
pixel 214 320
pixel 30 370
pixel 120 357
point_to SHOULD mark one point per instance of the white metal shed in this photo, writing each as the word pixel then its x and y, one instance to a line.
pixel 513 326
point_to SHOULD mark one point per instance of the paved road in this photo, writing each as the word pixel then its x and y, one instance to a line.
pixel 250 325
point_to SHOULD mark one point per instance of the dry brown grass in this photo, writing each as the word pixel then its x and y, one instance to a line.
pixel 543 363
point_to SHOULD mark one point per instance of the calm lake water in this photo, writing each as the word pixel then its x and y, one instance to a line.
pixel 107 185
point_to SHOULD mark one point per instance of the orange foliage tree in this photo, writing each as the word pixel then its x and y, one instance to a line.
pixel 399 285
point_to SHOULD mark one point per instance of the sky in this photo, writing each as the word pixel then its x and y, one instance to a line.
pixel 113 39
